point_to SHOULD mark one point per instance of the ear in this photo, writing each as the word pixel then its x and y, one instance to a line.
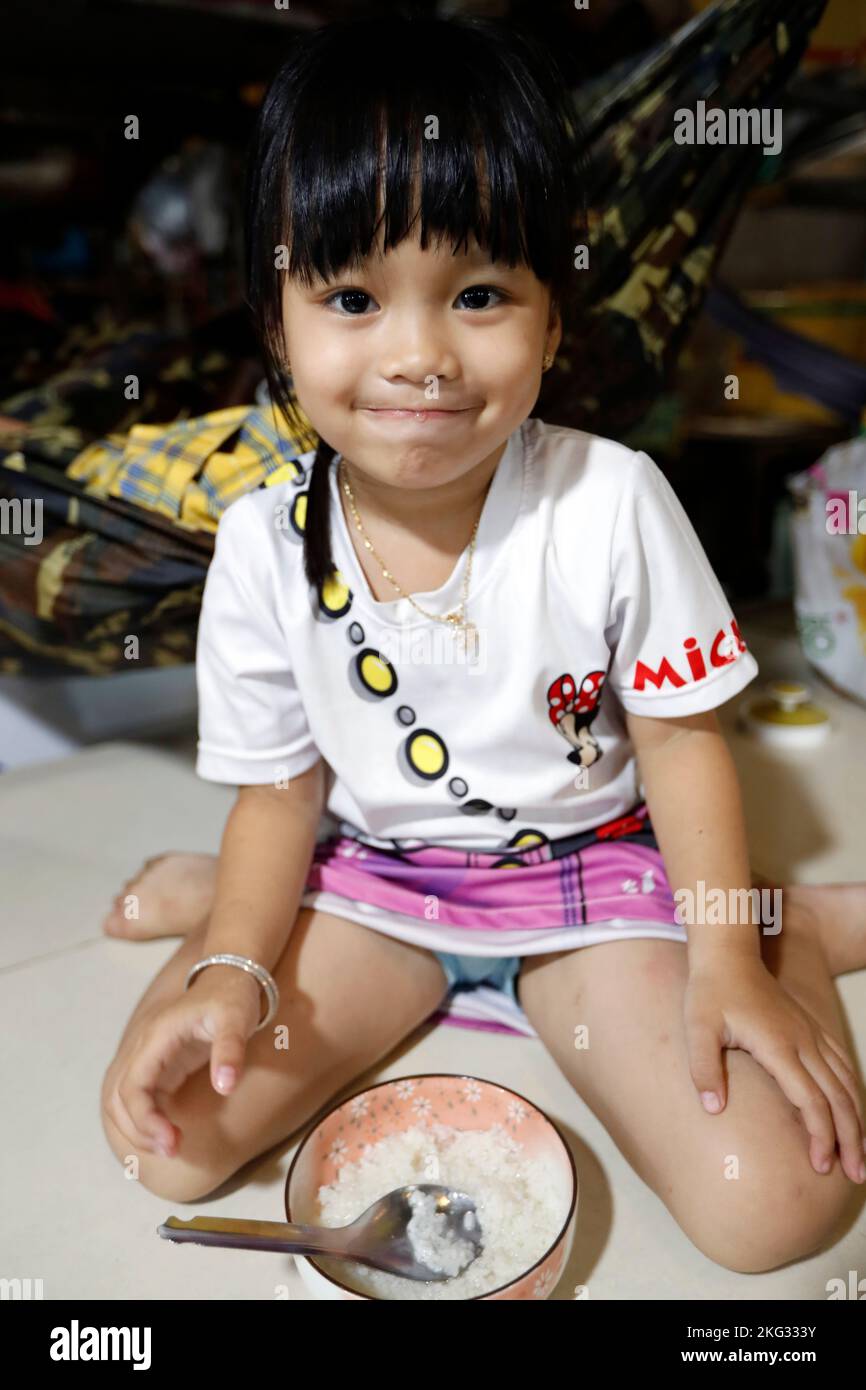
pixel 554 328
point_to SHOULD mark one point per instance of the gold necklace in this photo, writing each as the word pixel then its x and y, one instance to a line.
pixel 457 620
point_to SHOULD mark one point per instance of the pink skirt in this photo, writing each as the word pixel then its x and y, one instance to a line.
pixel 614 870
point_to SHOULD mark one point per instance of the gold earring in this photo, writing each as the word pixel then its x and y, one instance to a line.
pixel 548 361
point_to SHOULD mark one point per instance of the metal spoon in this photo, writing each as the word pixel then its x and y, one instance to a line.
pixel 378 1238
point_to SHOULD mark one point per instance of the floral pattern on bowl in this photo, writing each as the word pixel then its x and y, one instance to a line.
pixel 464 1102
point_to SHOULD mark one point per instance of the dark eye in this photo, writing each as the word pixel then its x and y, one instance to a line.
pixel 356 300
pixel 482 290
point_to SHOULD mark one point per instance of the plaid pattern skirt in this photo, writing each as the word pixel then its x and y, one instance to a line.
pixel 614 870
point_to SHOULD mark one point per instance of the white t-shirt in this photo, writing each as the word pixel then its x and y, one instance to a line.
pixel 592 595
pixel 585 562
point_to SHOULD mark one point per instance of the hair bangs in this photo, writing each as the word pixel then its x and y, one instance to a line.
pixel 461 126
pixel 360 181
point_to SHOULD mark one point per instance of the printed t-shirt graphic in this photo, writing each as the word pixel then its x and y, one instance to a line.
pixel 592 595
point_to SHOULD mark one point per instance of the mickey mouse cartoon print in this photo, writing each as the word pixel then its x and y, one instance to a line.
pixel 572 708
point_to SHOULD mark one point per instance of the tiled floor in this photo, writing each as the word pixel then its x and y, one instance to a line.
pixel 79 827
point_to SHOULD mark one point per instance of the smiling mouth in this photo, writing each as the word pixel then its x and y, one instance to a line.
pixel 421 413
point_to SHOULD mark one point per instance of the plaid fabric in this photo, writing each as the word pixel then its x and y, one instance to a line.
pixel 194 469
pixel 128 537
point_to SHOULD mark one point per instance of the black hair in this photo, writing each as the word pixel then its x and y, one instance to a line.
pixel 352 103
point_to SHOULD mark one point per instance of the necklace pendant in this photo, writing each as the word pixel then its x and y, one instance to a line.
pixel 468 634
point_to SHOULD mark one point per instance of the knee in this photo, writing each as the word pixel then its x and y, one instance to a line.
pixel 779 1218
pixel 174 1180
pixel 177 1179
pixel 178 1184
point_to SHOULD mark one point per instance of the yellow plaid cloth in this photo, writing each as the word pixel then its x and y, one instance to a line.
pixel 184 469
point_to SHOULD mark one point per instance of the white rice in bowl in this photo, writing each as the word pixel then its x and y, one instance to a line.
pixel 518 1206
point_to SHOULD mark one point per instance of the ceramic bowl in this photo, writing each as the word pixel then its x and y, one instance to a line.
pixel 463 1102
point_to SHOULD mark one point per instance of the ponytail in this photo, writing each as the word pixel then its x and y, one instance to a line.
pixel 318 560
pixel 290 421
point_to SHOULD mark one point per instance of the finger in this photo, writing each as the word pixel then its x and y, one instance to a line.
pixel 124 1122
pixel 158 1134
pixel 705 1065
pixel 840 1050
pixel 119 1116
pixel 845 1120
pixel 145 1074
pixel 837 1046
pixel 228 1051
pixel 799 1086
pixel 835 1057
pixel 849 1081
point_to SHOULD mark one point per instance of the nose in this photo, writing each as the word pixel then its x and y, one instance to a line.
pixel 417 349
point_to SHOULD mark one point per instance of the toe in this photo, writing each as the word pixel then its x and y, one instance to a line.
pixel 115 923
pixel 155 859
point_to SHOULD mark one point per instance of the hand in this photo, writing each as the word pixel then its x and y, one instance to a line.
pixel 740 1004
pixel 215 1016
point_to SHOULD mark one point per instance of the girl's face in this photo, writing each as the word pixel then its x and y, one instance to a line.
pixel 419 330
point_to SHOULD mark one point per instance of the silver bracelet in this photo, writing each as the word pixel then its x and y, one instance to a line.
pixel 265 979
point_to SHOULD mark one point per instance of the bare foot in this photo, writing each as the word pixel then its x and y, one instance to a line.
pixel 170 896
pixel 837 913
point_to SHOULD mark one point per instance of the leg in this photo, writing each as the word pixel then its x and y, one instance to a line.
pixel 348 996
pixel 837 915
pixel 740 1184
pixel 172 894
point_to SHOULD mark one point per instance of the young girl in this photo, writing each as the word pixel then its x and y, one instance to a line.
pixel 489 649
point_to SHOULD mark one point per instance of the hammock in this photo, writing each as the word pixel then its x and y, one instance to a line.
pixel 129 508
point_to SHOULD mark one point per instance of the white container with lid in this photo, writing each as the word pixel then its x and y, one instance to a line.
pixel 786 717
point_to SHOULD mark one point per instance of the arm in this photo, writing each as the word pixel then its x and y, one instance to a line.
pixel 693 796
pixel 265 855
pixel 731 998
pixel 252 726
pixel 266 850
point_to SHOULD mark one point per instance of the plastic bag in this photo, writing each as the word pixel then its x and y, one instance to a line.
pixel 828 539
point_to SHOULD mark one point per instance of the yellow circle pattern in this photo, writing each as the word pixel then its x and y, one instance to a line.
pixel 377 675
pixel 335 594
pixel 426 753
